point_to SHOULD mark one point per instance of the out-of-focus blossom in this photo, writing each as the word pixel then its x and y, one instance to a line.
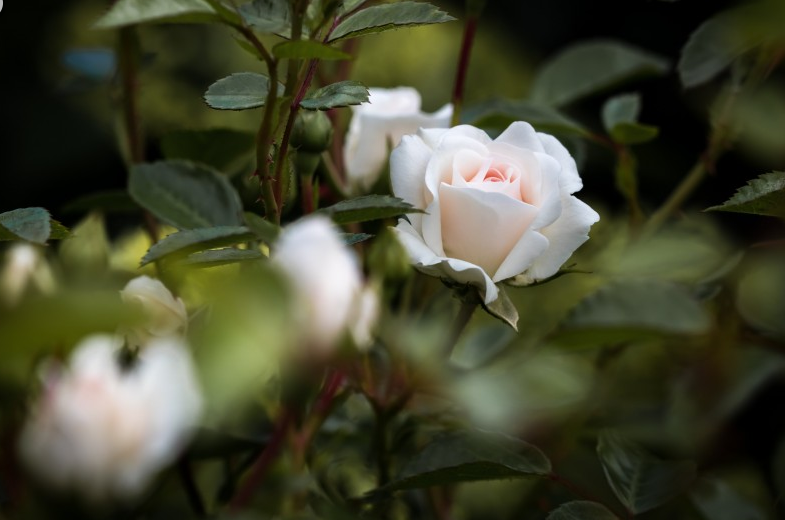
pixel 24 267
pixel 164 315
pixel 104 427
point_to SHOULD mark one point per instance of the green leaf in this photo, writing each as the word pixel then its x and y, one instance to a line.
pixel 478 346
pixel 759 295
pixel 267 16
pixel 341 94
pixel 31 224
pixel 634 133
pixel 185 195
pixel 218 257
pixel 500 113
pixel 388 16
pixel 503 309
pixel 239 91
pixel 110 201
pixel 631 309
pixel 58 231
pixel 264 230
pixel 620 118
pixel 762 196
pixel 639 480
pixel 716 500
pixel 581 510
pixel 308 50
pixel 220 148
pixel 129 12
pixel 355 238
pixel 590 67
pixel 347 6
pixel 369 207
pixel 468 457
pixel 189 241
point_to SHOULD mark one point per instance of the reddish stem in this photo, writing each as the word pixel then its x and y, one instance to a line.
pixel 463 67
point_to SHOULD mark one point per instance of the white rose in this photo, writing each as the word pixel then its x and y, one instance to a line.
pixel 330 296
pixel 104 430
pixel 164 315
pixel 378 125
pixel 495 209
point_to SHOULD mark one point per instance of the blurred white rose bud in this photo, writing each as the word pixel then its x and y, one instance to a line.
pixel 164 315
pixel 378 126
pixel 24 267
pixel 103 428
pixel 330 296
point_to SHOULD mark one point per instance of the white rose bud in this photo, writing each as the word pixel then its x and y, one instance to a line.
pixel 329 293
pixel 164 315
pixel 104 430
pixel 24 267
pixel 378 125
pixel 495 209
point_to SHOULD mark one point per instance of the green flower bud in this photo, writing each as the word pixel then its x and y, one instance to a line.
pixel 312 132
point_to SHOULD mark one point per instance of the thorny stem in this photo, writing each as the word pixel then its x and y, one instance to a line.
pixel 463 67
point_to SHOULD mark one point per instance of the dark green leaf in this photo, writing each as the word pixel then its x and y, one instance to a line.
pixel 640 481
pixel 623 108
pixel 500 113
pixel 111 201
pixel 716 500
pixel 267 16
pixel 502 308
pixel 581 510
pixel 347 6
pixel 355 238
pixel 388 16
pixel 264 230
pixel 467 457
pixel 762 196
pixel 130 12
pixel 58 231
pixel 631 309
pixel 31 224
pixel 590 67
pixel 239 91
pixel 185 195
pixel 191 240
pixel 634 133
pixel 370 207
pixel 759 295
pixel 307 50
pixel 218 257
pixel 220 148
pixel 341 94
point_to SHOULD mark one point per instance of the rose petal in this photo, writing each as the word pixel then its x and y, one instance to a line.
pixel 481 227
pixel 565 236
pixel 521 135
pixel 549 197
pixel 440 167
pixel 569 178
pixel 365 150
pixel 531 245
pixel 408 163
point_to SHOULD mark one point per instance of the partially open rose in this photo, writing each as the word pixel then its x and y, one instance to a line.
pixel 495 209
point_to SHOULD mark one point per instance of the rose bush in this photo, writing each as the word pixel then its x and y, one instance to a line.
pixel 495 209
pixel 379 124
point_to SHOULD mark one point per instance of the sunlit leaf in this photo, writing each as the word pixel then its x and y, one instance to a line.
pixel 219 257
pixel 191 240
pixel 639 480
pixel 500 113
pixel 466 457
pixel 220 148
pixel 764 195
pixel 581 510
pixel 369 207
pixel 590 67
pixel 31 224
pixel 185 195
pixel 337 95
pixel 308 49
pixel 239 91
pixel 384 17
pixel 129 12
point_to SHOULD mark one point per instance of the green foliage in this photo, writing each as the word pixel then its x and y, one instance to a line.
pixel 31 224
pixel 620 118
pixel 188 241
pixel 267 16
pixel 764 195
pixel 716 500
pixel 581 510
pixel 221 148
pixel 590 67
pixel 500 113
pixel 110 201
pixel 369 207
pixel 308 50
pixel 640 481
pixel 388 16
pixel 239 91
pixel 760 297
pixel 184 194
pixel 336 95
pixel 219 257
pixel 467 457
pixel 503 309
pixel 264 230
pixel 131 12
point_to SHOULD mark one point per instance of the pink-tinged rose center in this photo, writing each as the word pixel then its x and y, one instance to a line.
pixel 497 176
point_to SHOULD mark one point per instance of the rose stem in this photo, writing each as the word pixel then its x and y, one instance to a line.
pixel 463 67
pixel 191 489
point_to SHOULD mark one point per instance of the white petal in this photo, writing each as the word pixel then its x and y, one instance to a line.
pixel 408 163
pixel 522 135
pixel 570 180
pixel 565 236
pixel 531 245
pixel 365 149
pixel 549 197
pixel 482 227
pixel 440 168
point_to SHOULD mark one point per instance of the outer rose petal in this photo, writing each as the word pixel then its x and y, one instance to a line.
pixel 569 179
pixel 565 236
pixel 531 245
pixel 365 150
pixel 426 261
pixel 407 170
pixel 522 135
